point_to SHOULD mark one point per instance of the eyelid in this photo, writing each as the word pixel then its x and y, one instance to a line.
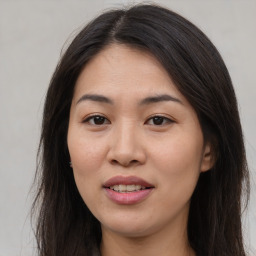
pixel 91 116
pixel 168 119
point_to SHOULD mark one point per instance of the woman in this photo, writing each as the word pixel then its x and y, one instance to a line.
pixel 141 146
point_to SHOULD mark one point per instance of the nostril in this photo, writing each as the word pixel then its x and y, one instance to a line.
pixel 124 163
pixel 114 161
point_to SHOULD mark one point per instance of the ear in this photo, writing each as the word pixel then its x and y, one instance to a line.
pixel 208 158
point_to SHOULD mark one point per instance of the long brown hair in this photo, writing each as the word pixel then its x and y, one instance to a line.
pixel 65 226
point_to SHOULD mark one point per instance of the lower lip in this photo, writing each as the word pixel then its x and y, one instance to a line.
pixel 129 197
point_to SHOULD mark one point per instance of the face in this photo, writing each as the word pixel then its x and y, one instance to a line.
pixel 135 144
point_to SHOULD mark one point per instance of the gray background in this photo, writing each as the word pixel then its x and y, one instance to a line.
pixel 32 34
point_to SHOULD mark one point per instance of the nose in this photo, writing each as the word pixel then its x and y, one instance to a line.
pixel 126 147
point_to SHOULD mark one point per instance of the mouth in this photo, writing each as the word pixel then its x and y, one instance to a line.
pixel 127 184
pixel 127 190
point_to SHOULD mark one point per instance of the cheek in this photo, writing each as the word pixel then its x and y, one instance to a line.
pixel 178 163
pixel 178 154
pixel 86 154
pixel 87 158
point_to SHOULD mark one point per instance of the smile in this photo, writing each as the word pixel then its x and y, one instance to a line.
pixel 127 188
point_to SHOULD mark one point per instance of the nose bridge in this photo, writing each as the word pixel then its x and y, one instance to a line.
pixel 124 135
pixel 126 146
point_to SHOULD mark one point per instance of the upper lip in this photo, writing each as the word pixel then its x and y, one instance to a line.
pixel 130 180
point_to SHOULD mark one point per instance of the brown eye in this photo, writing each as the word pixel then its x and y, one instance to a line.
pixel 96 120
pixel 159 120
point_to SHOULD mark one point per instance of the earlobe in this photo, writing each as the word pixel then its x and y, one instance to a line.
pixel 208 158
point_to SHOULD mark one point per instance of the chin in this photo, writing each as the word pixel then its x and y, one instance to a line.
pixel 131 232
pixel 131 227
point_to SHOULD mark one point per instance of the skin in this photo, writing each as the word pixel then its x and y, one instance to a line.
pixel 170 154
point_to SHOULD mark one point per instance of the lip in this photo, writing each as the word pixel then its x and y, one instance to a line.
pixel 127 198
pixel 130 180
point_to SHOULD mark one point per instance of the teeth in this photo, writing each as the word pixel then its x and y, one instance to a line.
pixel 122 188
pixel 127 188
pixel 116 187
pixel 130 188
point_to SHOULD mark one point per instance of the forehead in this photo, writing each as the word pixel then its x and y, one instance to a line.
pixel 121 69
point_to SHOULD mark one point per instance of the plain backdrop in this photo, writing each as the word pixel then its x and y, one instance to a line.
pixel 32 35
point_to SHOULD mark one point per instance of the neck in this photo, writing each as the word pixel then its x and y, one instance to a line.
pixel 175 244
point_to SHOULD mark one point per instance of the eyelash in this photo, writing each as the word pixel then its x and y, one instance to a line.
pixel 162 118
pixel 88 119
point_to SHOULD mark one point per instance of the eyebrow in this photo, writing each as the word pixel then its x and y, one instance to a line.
pixel 95 97
pixel 146 101
pixel 159 98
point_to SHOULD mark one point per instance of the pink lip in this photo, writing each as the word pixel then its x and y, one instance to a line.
pixel 130 180
pixel 129 197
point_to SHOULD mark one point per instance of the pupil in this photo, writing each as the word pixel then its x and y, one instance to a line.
pixel 158 120
pixel 99 120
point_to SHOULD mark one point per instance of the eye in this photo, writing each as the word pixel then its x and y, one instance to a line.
pixel 159 120
pixel 96 120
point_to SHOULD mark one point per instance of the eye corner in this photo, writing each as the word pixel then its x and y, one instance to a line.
pixel 96 120
pixel 159 120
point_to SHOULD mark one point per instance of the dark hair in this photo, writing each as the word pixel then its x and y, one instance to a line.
pixel 65 226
